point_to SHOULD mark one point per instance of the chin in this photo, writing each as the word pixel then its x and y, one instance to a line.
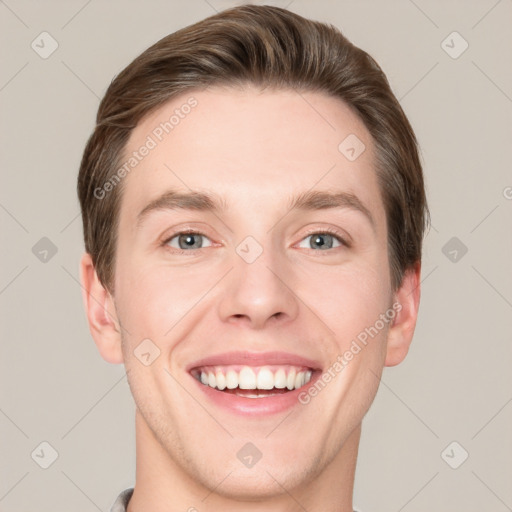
pixel 256 484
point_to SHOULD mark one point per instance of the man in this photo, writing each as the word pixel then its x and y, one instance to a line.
pixel 253 208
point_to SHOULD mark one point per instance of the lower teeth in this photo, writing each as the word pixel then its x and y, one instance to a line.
pixel 255 393
pixel 256 396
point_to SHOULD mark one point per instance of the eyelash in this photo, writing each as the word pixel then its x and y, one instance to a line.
pixel 328 231
pixel 178 233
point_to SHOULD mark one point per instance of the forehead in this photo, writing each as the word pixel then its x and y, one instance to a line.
pixel 250 146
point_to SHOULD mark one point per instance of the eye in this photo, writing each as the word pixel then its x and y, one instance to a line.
pixel 322 241
pixel 188 240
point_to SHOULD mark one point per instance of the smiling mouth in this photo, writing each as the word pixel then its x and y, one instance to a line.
pixel 254 382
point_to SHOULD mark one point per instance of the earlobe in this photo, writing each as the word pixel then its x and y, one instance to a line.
pixel 401 332
pixel 101 313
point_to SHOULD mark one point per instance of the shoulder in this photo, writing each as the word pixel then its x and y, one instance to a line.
pixel 122 501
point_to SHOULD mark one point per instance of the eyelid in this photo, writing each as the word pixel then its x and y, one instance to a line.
pixel 184 231
pixel 343 237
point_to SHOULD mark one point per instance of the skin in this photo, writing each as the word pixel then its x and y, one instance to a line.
pixel 255 149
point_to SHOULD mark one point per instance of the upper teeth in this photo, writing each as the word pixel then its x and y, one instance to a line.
pixel 249 378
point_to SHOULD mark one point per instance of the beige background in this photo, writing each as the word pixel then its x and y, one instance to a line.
pixel 455 384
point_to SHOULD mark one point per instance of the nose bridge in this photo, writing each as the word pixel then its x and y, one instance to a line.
pixel 257 290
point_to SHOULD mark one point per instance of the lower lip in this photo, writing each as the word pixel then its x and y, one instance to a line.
pixel 255 406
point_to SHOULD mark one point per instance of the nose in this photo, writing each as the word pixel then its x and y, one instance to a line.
pixel 258 293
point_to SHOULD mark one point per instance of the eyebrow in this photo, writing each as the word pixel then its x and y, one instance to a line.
pixel 174 200
pixel 323 200
pixel 206 201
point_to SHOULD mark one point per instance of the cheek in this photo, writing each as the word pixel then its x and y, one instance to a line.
pixel 348 298
pixel 153 299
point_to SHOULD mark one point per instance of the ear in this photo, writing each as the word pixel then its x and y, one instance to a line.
pixel 101 313
pixel 401 332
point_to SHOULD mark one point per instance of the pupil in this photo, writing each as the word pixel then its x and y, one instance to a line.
pixel 189 240
pixel 319 240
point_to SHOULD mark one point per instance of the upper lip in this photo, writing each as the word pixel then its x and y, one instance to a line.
pixel 255 359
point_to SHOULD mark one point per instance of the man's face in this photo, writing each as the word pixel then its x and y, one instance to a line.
pixel 263 295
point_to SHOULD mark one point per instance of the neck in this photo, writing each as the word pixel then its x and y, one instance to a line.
pixel 164 486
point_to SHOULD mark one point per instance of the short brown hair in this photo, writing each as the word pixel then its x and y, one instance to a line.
pixel 268 47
